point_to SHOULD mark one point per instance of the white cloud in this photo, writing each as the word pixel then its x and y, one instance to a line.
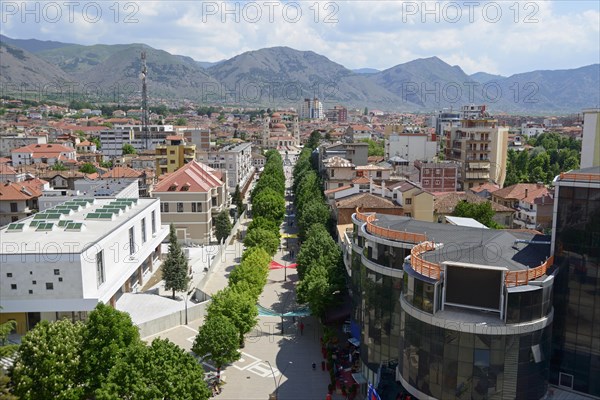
pixel 377 34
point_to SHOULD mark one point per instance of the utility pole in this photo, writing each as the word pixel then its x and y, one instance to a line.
pixel 143 75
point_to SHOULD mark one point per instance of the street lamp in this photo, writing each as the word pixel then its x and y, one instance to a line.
pixel 277 383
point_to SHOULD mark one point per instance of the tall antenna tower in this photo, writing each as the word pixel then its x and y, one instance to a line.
pixel 145 133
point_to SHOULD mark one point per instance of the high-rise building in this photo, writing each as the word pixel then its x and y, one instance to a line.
pixel 480 144
pixel 337 114
pixel 576 247
pixel 312 109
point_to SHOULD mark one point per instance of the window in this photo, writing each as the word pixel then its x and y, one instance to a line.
pixel 143 230
pixel 438 171
pixel 100 267
pixel 378 174
pixel 131 241
pixel 9 274
pixel 13 286
pixel 30 291
pixel 60 279
pixel 333 173
pixel 49 286
pixel 13 207
pixel 57 272
pixel 34 282
pixel 408 201
pixel 164 207
pixel 171 161
pixel 153 222
pixel 179 207
pixel 196 207
pixel 408 215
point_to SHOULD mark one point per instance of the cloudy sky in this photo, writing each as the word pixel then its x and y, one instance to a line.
pixel 501 37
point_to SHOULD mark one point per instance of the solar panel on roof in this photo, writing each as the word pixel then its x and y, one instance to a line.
pixel 53 216
pixel 40 216
pixel 15 227
pixel 45 226
pixel 33 224
pixel 64 222
pixel 74 226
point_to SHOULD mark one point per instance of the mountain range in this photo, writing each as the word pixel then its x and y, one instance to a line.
pixel 281 76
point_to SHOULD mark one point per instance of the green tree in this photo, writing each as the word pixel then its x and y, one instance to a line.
pixel 238 306
pixel 313 212
pixel 107 336
pixel 262 238
pixel 218 338
pixel 128 149
pixel 181 121
pixel 252 271
pixel 5 330
pixel 6 385
pixel 269 204
pixel 314 140
pixel 159 371
pixel 88 168
pixel 47 363
pixel 106 164
pixel 481 212
pixel 237 199
pixel 175 266
pixel 59 166
pixel 375 147
pixel 366 111
pixel 222 225
pixel 318 247
pixel 264 223
pixel 315 289
pixel 109 125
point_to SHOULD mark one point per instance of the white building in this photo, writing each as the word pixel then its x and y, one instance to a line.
pixel 312 109
pixel 235 160
pixel 9 142
pixel 531 129
pixel 112 140
pixel 64 261
pixel 411 147
pixel 590 147
pixel 43 153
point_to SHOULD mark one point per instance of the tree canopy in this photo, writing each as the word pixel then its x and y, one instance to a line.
pixel 222 225
pixel 128 149
pixel 175 266
pixel 481 212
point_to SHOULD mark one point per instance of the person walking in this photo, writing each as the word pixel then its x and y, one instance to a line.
pixel 301 328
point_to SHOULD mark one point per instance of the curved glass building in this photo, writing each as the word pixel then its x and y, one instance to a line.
pixel 460 312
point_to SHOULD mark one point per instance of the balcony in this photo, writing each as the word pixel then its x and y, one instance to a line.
pixel 477 175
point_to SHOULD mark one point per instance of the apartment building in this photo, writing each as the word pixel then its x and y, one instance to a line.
pixel 480 144
pixel 235 161
pixel 113 140
pixel 12 141
pixel 356 153
pixel 437 177
pixel 173 154
pixel 189 198
pixel 312 109
pixel 337 115
pixel 64 261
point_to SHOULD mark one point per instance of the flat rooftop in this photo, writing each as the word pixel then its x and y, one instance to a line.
pixel 70 227
pixel 515 250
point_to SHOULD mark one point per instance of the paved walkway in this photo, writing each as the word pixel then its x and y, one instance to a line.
pixel 270 358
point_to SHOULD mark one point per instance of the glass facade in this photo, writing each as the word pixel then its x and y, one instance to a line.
pixel 576 336
pixel 377 312
pixel 449 364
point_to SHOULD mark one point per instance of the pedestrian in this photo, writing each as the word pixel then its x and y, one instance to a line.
pixel 314 366
pixel 301 328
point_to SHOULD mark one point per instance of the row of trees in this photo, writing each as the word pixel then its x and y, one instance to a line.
pixel 103 358
pixel 552 154
pixel 233 312
pixel 319 259
pixel 268 206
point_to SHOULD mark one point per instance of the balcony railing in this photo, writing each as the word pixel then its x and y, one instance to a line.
pixel 387 233
pixel 518 278
pixel 421 266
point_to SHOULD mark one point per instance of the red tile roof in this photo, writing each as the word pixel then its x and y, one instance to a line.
pixel 46 150
pixel 122 172
pixel 21 190
pixel 522 191
pixel 200 176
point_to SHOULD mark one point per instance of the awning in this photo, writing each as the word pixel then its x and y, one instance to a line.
pixel 354 342
pixel 359 378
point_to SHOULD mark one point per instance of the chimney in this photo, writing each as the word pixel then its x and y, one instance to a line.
pixel 382 188
pixel 370 185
